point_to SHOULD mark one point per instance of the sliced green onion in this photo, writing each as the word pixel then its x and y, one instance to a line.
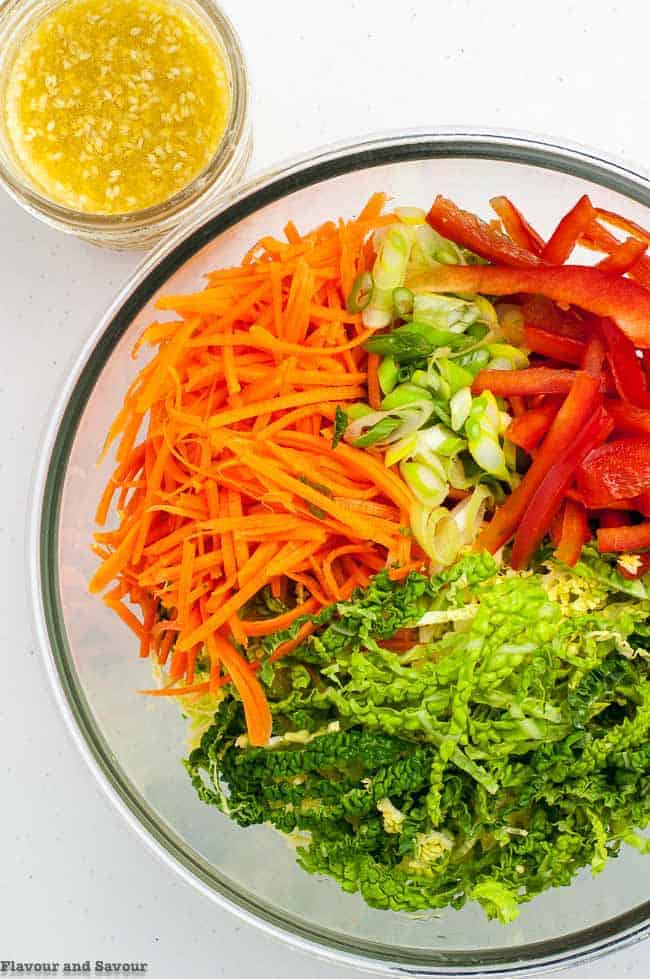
pixel 473 361
pixel 360 293
pixel 488 454
pixel 400 450
pixel 405 395
pixel 386 427
pixel 358 410
pixel 436 532
pixel 506 357
pixel 510 453
pixel 403 301
pixel 468 514
pixel 431 248
pixel 460 405
pixel 426 485
pixel 444 312
pixel 457 377
pixel 504 421
pixel 378 433
pixel 379 311
pixel 392 257
pixel 456 475
pixel 388 374
pixel 437 440
pixel 411 215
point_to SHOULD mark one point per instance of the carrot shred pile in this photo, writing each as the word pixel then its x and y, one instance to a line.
pixel 226 480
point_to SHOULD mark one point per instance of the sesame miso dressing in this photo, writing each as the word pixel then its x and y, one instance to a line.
pixel 116 105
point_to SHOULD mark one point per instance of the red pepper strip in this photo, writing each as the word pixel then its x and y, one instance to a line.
pixel 642 503
pixel 621 539
pixel 542 312
pixel 529 429
pixel 631 227
pixel 595 352
pixel 616 471
pixel 629 377
pixel 626 302
pixel 517 406
pixel 562 348
pixel 531 380
pixel 555 530
pixel 521 232
pixel 468 230
pixel 624 257
pixel 613 518
pixel 629 418
pixel 642 568
pixel 578 407
pixel 574 534
pixel 565 237
pixel 601 240
pixel 549 494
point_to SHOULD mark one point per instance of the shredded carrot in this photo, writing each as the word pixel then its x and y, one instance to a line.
pixel 225 479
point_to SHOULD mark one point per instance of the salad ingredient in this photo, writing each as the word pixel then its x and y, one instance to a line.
pixel 574 533
pixel 624 538
pixel 483 763
pixel 546 499
pixel 469 231
pixel 580 405
pixel 615 471
pixel 564 238
pixel 235 486
pixel 603 293
pixel 116 106
pixel 516 225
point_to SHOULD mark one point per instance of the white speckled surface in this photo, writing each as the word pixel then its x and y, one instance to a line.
pixel 75 883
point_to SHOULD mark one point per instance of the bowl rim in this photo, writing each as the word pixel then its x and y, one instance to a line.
pixel 221 214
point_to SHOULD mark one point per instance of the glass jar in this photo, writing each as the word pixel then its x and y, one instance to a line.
pixel 135 229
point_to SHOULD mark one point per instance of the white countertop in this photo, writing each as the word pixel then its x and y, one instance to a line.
pixel 75 883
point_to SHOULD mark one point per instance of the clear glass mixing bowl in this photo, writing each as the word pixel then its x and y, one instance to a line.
pixel 134 746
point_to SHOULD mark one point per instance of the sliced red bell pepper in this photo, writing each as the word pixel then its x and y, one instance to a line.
pixel 624 257
pixel 631 227
pixel 574 533
pixel 531 380
pixel 642 503
pixel 517 406
pixel 468 230
pixel 555 530
pixel 629 376
pixel 629 418
pixel 602 293
pixel 642 567
pixel 601 240
pixel 529 429
pixel 613 518
pixel 616 471
pixel 583 400
pixel 549 344
pixel 521 232
pixel 542 312
pixel 566 235
pixel 622 539
pixel 594 355
pixel 548 496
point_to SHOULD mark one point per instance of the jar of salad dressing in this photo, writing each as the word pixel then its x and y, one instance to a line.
pixel 118 117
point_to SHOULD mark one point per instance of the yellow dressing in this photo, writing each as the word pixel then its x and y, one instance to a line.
pixel 115 105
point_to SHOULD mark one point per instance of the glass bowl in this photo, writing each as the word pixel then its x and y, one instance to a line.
pixel 134 746
pixel 137 229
